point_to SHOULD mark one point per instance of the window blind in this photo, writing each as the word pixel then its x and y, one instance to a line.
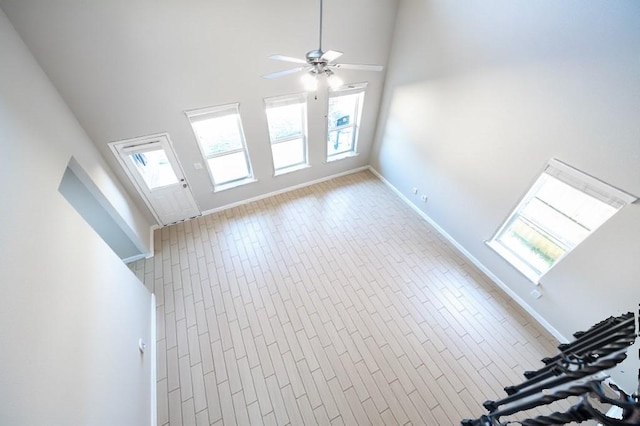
pixel 588 184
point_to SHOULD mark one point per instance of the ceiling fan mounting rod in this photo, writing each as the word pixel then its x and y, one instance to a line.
pixel 320 42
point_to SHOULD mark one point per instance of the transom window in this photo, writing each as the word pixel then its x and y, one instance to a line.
pixel 563 207
pixel 221 140
pixel 287 119
pixel 343 121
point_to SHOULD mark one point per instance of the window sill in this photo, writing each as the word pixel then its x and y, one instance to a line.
pixel 515 262
pixel 342 156
pixel 233 184
pixel 291 169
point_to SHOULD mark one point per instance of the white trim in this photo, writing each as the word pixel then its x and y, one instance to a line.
pixel 341 156
pixel 349 89
pixel 476 262
pixel 153 354
pixel 234 184
pixel 512 260
pixel 285 100
pixel 136 257
pixel 589 180
pixel 195 114
pixel 152 230
pixel 290 169
pixel 282 191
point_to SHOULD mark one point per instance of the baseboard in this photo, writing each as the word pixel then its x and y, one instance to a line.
pixel 152 345
pixel 134 258
pixel 282 191
pixel 152 249
pixel 497 281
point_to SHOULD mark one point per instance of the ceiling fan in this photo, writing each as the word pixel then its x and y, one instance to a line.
pixel 318 62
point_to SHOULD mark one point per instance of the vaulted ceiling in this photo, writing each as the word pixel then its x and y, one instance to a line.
pixel 129 68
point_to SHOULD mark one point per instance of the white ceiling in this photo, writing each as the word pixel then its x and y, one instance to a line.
pixel 129 68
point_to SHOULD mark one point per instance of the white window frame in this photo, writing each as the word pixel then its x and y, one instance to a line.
pixel 579 180
pixel 279 101
pixel 201 114
pixel 350 89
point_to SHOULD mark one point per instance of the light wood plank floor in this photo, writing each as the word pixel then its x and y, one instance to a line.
pixel 332 304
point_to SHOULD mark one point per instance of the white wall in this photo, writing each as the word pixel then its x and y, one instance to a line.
pixel 71 312
pixel 86 203
pixel 131 69
pixel 480 95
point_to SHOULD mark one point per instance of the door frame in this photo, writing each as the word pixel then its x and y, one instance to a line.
pixel 141 140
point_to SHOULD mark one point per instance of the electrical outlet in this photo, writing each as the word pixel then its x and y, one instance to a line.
pixel 423 198
pixel 414 191
pixel 197 166
pixel 536 294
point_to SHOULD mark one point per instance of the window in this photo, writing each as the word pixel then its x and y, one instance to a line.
pixel 345 109
pixel 286 117
pixel 563 207
pixel 221 140
pixel 154 167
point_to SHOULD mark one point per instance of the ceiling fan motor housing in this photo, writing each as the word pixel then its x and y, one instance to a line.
pixel 314 57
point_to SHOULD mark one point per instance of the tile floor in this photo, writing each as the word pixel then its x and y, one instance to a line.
pixel 332 304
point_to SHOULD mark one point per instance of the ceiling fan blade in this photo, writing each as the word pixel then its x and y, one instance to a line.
pixel 361 67
pixel 284 72
pixel 288 59
pixel 331 55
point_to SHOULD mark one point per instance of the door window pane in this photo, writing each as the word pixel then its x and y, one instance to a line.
pixel 154 167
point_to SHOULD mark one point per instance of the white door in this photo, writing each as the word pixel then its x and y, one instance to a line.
pixel 153 168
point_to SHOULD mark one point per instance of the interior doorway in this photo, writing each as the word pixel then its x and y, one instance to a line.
pixel 80 191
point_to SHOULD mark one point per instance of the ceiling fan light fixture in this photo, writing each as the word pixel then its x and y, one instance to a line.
pixel 310 82
pixel 334 81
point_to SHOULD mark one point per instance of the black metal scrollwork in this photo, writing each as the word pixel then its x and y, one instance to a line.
pixel 577 370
